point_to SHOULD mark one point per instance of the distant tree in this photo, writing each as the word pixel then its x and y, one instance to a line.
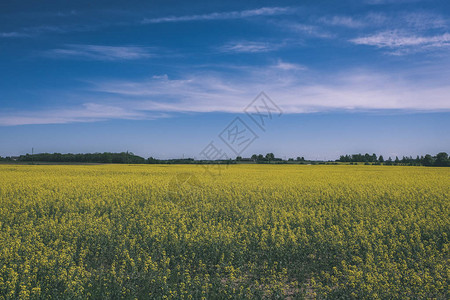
pixel 270 156
pixel 442 159
pixel 300 158
pixel 238 158
pixel 374 157
pixel 290 159
pixel 381 159
pixel 254 157
pixel 389 161
pixel 428 160
pixel 397 160
pixel 260 157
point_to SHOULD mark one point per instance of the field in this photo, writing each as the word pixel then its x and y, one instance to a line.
pixel 252 231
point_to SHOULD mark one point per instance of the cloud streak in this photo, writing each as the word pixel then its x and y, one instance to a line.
pixel 306 29
pixel 250 47
pixel 88 112
pixel 343 21
pixel 13 34
pixel 403 42
pixel 100 52
pixel 264 11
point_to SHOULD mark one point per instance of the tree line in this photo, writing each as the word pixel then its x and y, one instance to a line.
pixel 441 159
pixel 106 157
pixel 269 157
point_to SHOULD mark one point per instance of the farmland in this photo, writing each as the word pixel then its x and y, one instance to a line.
pixel 250 231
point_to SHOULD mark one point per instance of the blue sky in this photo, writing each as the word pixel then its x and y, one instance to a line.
pixel 165 78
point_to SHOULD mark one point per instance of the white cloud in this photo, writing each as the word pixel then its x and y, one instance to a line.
pixel 414 21
pixel 306 29
pixel 250 47
pixel 411 21
pixel 99 52
pixel 264 11
pixel 406 43
pixel 88 112
pixel 343 21
pixel 285 66
pixel 13 34
pixel 423 20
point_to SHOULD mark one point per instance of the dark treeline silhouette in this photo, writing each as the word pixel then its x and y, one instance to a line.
pixel 269 157
pixel 441 159
pixel 174 161
pixel 360 158
pixel 106 157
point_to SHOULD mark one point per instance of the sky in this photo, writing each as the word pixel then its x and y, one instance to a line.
pixel 172 79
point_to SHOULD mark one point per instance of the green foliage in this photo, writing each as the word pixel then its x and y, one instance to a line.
pixel 440 160
pixel 106 157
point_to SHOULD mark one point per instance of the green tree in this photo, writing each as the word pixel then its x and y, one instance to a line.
pixel 389 161
pixel 270 157
pixel 442 159
pixel 374 157
pixel 428 160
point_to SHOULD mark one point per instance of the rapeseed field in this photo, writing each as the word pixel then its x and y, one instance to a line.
pixel 248 232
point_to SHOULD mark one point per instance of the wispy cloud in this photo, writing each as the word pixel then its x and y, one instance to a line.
pixel 286 66
pixel 100 52
pixel 13 34
pixel 306 29
pixel 417 21
pixel 414 21
pixel 343 21
pixel 249 47
pixel 65 13
pixel 403 41
pixel 423 20
pixel 35 31
pixel 88 112
pixel 264 11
